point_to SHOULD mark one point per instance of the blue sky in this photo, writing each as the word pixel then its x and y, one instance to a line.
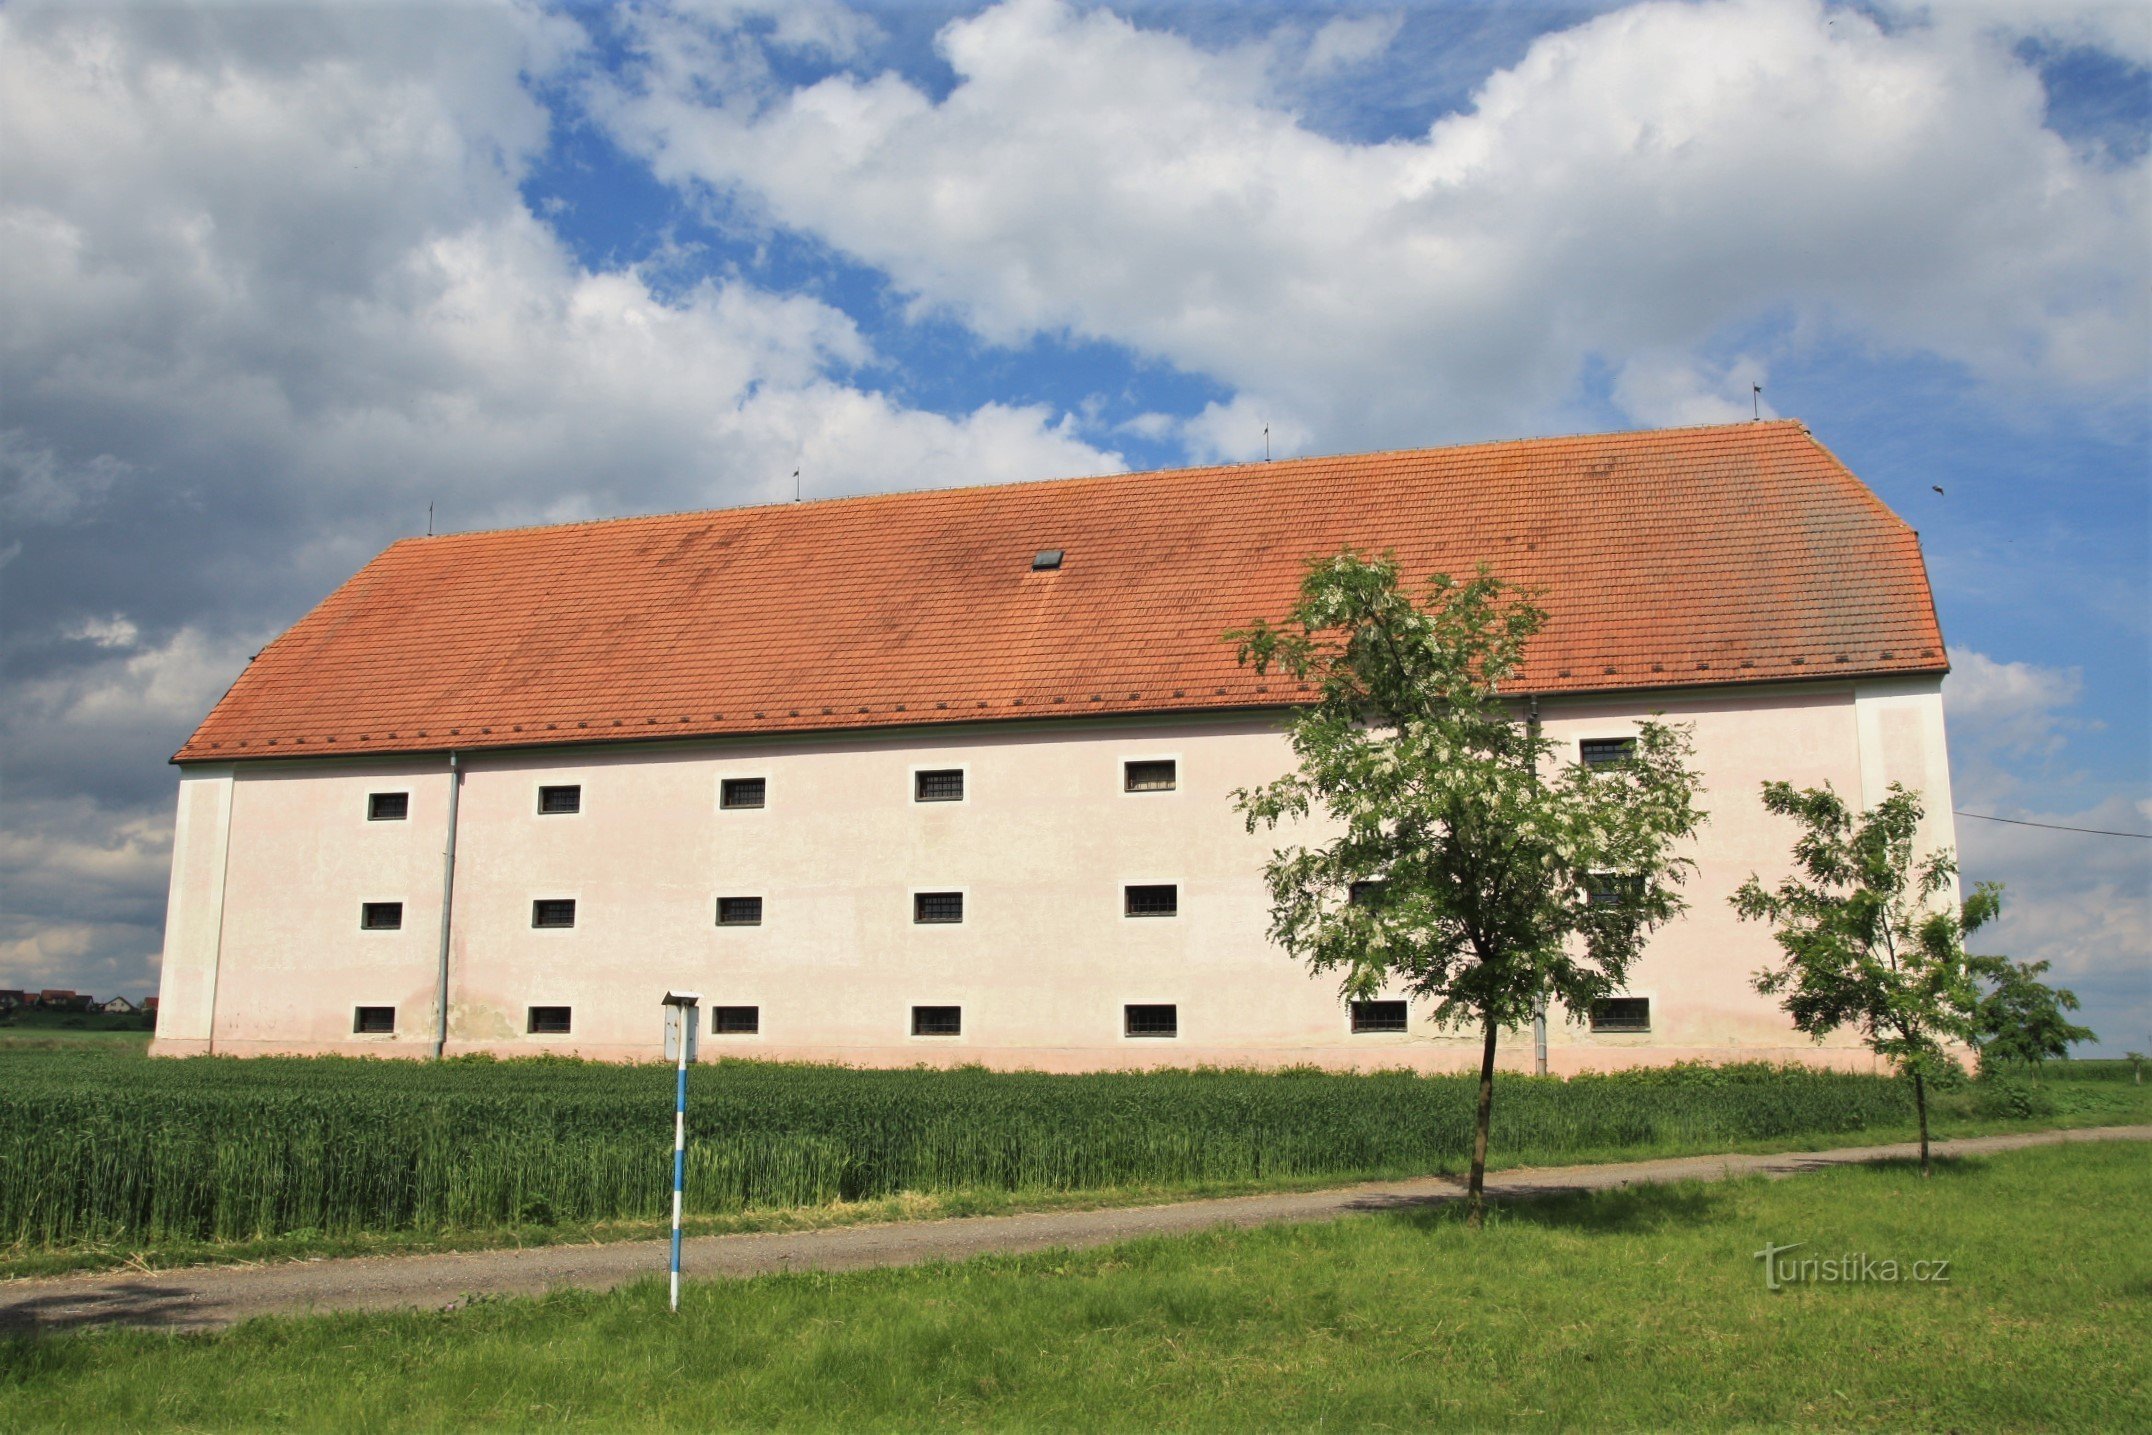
pixel 276 278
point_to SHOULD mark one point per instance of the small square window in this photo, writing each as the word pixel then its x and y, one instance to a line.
pixel 937 1021
pixel 553 912
pixel 735 793
pixel 1365 894
pixel 1150 775
pixel 943 785
pixel 1606 751
pixel 1153 900
pixel 736 1020
pixel 1151 1019
pixel 1621 1014
pixel 387 806
pixel 380 916
pixel 1379 1016
pixel 932 907
pixel 558 801
pixel 373 1020
pixel 548 1021
pixel 739 911
pixel 1612 889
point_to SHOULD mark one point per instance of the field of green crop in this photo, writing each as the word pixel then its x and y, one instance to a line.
pixel 104 1147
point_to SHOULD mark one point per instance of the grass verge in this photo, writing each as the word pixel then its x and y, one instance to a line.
pixel 1644 1307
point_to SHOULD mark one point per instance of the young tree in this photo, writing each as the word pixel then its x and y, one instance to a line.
pixel 1468 866
pixel 2020 1018
pixel 1868 934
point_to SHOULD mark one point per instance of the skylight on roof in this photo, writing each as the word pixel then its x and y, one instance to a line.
pixel 1045 560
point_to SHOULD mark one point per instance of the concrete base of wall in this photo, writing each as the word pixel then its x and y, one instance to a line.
pixel 1453 1055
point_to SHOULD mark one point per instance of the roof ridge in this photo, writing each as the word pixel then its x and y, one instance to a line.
pixel 1120 476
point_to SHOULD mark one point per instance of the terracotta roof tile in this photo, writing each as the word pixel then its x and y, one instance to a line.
pixel 1741 553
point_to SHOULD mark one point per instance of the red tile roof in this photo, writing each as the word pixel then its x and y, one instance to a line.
pixel 1740 553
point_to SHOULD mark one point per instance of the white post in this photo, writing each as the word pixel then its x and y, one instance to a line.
pixel 681 1027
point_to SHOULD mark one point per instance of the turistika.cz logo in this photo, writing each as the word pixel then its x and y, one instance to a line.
pixel 1781 1269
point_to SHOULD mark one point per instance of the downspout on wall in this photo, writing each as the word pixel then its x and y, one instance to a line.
pixel 448 900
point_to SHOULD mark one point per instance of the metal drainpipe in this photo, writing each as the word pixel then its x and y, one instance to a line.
pixel 1539 1018
pixel 448 898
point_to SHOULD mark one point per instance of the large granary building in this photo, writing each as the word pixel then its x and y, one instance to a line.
pixel 947 776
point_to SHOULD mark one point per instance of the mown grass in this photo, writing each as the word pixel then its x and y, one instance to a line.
pixel 107 1159
pixel 1636 1308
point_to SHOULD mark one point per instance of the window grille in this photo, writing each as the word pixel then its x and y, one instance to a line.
pixel 933 907
pixel 1152 900
pixel 937 1021
pixel 945 785
pixel 553 912
pixel 556 801
pixel 387 806
pixel 1621 1014
pixel 1151 1019
pixel 373 1020
pixel 1379 1016
pixel 739 911
pixel 1606 751
pixel 1150 775
pixel 738 792
pixel 548 1021
pixel 736 1020
pixel 381 916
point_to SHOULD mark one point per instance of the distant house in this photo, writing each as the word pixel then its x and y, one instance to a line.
pixel 149 1006
pixel 118 1006
pixel 56 999
pixel 10 999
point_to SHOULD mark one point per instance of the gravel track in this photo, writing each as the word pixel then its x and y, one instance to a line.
pixel 211 1297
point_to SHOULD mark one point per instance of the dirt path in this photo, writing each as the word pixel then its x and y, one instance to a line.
pixel 208 1297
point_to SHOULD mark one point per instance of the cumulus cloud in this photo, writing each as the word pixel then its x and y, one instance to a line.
pixel 1644 182
pixel 272 288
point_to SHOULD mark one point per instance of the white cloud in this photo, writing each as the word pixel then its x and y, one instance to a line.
pixel 1640 183
pixel 1349 41
pixel 2012 709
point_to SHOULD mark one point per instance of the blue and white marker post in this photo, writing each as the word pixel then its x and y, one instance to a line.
pixel 682 1027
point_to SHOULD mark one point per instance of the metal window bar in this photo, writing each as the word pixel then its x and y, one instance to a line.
pixel 937 1021
pixel 1379 1016
pixel 737 792
pixel 946 785
pixel 1155 900
pixel 933 907
pixel 1621 1014
pixel 381 916
pixel 373 1020
pixel 553 912
pixel 1599 752
pixel 549 1021
pixel 556 801
pixel 388 806
pixel 736 1020
pixel 1151 1019
pixel 1161 775
pixel 739 911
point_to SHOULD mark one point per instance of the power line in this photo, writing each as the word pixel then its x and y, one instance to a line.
pixel 2054 826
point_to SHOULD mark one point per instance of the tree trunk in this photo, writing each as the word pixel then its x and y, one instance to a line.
pixel 1476 1190
pixel 1920 1104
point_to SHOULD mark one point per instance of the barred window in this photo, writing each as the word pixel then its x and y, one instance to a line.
pixel 942 785
pixel 937 1021
pixel 380 916
pixel 1621 1014
pixel 739 792
pixel 1365 894
pixel 553 912
pixel 1151 1019
pixel 736 1020
pixel 1150 775
pixel 1612 889
pixel 1378 1016
pixel 548 1021
pixel 739 911
pixel 373 1020
pixel 558 801
pixel 934 907
pixel 387 806
pixel 1151 900
pixel 1606 751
